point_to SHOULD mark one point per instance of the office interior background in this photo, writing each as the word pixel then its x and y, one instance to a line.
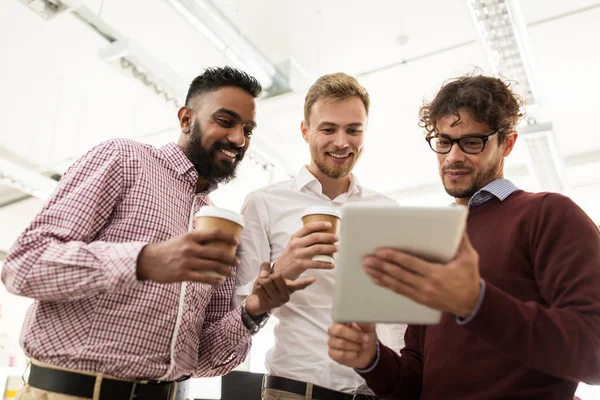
pixel 77 72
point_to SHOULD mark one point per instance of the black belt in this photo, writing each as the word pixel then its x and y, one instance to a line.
pixel 81 385
pixel 318 392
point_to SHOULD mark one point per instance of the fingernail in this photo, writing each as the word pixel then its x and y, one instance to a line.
pixel 328 224
pixel 366 338
pixel 264 274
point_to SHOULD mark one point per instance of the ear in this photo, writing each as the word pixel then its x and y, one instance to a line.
pixel 185 116
pixel 509 142
pixel 304 129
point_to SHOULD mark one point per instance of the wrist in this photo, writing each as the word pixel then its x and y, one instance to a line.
pixel 471 304
pixel 373 361
pixel 142 263
pixel 252 308
pixel 253 324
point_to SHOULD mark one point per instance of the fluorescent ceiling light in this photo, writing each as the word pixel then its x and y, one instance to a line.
pixel 133 60
pixel 45 8
pixel 210 21
pixel 27 181
pixel 503 34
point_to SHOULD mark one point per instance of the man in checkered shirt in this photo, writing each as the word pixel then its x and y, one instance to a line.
pixel 124 307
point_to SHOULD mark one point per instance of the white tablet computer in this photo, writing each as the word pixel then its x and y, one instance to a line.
pixel 432 233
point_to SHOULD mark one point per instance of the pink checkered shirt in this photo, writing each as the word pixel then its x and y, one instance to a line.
pixel 77 259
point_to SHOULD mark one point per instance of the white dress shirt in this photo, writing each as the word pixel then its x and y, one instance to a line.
pixel 272 215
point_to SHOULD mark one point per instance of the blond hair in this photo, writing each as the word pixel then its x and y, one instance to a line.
pixel 334 87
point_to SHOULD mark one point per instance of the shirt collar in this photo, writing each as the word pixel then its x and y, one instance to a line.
pixel 500 188
pixel 177 161
pixel 306 179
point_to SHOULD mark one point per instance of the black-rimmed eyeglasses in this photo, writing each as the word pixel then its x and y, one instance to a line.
pixel 471 144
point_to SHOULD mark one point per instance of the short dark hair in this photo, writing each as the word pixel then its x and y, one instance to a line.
pixel 488 100
pixel 215 78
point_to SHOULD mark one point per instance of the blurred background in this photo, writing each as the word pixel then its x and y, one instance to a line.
pixel 77 72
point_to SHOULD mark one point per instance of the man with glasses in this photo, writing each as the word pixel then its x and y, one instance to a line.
pixel 521 298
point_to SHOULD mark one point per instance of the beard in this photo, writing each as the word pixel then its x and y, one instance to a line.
pixel 478 179
pixel 336 171
pixel 203 158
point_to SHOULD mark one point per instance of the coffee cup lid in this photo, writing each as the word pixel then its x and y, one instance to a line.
pixel 321 210
pixel 212 211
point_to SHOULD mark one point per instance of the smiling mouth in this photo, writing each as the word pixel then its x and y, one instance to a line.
pixel 456 174
pixel 339 156
pixel 229 153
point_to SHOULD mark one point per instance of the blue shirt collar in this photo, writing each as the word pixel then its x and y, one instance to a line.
pixel 500 188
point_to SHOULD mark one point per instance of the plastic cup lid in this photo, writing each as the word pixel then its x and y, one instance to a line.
pixel 321 210
pixel 216 212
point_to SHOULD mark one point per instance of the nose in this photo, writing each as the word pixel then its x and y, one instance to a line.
pixel 237 137
pixel 455 155
pixel 340 140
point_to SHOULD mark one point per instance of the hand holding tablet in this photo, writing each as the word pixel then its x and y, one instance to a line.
pixel 383 287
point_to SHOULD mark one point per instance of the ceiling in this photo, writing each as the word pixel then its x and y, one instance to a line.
pixel 59 98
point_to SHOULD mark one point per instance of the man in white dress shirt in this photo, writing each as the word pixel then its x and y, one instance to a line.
pixel 335 118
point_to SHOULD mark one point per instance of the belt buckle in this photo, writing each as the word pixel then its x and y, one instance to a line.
pixel 133 394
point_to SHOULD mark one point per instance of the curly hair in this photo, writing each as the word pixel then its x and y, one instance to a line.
pixel 218 77
pixel 488 100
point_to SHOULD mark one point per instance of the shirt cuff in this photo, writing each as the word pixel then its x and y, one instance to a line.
pixel 237 332
pixel 464 321
pixel 373 364
pixel 121 265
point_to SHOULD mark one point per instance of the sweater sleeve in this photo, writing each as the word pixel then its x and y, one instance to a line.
pixel 562 336
pixel 399 376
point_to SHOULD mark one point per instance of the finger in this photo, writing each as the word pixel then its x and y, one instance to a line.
pixel 341 344
pixel 317 238
pixel 265 269
pixel 311 227
pixel 318 249
pixel 366 327
pixel 386 281
pixel 311 264
pixel 342 356
pixel 280 284
pixel 348 333
pixel 215 253
pixel 261 293
pixel 405 260
pixel 202 265
pixel 213 234
pixel 399 288
pixel 294 286
pixel 376 268
pixel 270 290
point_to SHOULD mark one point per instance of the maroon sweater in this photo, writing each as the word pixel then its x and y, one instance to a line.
pixel 537 333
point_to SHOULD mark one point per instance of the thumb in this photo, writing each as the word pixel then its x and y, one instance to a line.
pixel 294 286
pixel 265 270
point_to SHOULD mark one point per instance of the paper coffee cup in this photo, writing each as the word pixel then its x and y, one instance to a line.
pixel 210 217
pixel 323 214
